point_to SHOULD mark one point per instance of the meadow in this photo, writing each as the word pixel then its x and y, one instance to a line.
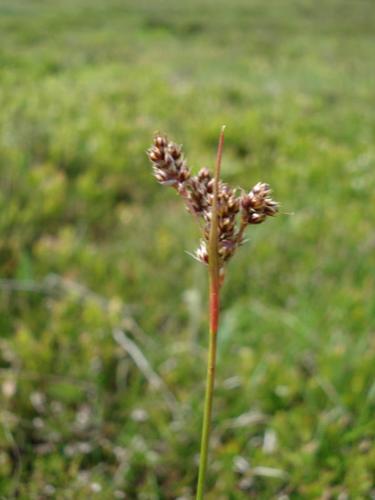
pixel 103 314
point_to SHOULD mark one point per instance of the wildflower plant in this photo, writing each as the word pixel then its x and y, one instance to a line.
pixel 225 213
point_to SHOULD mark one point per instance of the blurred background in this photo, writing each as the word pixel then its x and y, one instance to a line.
pixel 103 324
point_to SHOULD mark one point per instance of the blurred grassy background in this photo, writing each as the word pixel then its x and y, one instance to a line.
pixel 90 243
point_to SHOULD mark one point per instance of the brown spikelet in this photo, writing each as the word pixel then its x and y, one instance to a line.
pixel 168 162
pixel 258 204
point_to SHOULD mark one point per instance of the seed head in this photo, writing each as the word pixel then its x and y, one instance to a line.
pixel 170 168
pixel 228 208
pixel 200 189
pixel 168 163
pixel 258 204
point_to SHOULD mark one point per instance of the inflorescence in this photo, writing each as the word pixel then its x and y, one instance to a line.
pixel 235 212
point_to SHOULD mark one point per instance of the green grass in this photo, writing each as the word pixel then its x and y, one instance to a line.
pixel 84 85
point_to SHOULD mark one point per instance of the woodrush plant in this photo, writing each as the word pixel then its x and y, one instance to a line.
pixel 225 214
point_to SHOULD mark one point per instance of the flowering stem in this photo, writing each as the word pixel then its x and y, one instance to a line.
pixel 214 293
pixel 240 232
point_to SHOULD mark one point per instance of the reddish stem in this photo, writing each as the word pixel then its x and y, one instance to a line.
pixel 214 291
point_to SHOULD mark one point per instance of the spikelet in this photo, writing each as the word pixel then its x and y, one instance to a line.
pixel 168 162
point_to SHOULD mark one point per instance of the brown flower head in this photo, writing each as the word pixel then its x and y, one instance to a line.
pixel 170 168
pixel 258 204
pixel 168 162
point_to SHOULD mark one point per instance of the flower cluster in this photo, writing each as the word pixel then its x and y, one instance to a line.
pixel 170 168
pixel 257 204
pixel 168 162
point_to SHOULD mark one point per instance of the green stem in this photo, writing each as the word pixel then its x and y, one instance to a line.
pixel 214 292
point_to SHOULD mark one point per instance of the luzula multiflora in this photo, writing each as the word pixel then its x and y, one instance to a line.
pixel 235 211
pixel 225 215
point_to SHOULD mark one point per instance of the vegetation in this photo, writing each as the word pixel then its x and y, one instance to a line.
pixel 102 314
